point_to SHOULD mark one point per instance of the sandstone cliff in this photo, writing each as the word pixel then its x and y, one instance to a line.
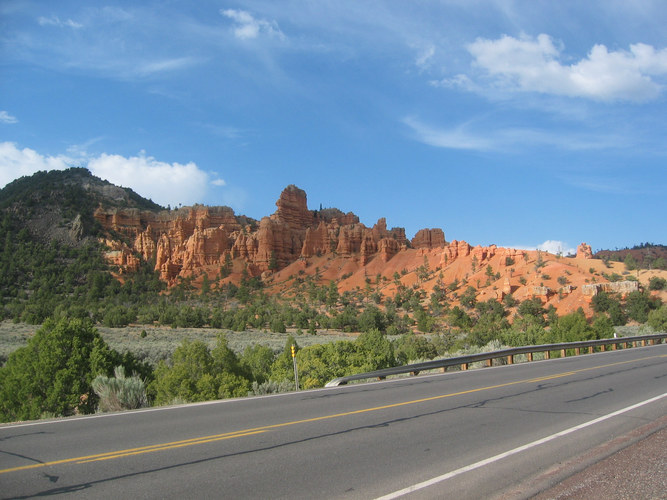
pixel 183 241
pixel 333 245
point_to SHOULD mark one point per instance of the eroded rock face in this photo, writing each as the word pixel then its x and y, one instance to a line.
pixel 185 240
pixel 429 239
pixel 584 251
pixel 454 250
pixel 622 287
pixel 293 208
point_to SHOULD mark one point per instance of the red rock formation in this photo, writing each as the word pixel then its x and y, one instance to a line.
pixel 387 248
pixel 454 250
pixel 318 241
pixel 185 240
pixel 429 238
pixel 293 208
pixel 190 240
pixel 584 251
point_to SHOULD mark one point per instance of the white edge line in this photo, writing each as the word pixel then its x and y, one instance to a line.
pixel 487 461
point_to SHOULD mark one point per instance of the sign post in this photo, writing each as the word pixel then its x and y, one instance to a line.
pixel 296 374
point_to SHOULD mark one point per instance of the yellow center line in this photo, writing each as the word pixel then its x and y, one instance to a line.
pixel 167 446
pixel 259 430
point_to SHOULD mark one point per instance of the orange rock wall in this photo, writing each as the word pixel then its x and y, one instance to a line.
pixel 186 240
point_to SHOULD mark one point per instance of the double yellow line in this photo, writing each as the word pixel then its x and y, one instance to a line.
pixel 258 430
pixel 136 451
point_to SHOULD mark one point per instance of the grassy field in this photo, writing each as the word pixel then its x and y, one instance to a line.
pixel 160 342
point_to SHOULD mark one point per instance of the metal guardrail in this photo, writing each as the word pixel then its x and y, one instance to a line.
pixel 507 354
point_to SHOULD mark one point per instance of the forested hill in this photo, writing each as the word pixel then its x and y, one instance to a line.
pixel 51 262
pixel 59 204
pixel 644 256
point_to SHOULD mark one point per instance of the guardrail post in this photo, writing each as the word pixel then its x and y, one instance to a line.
pixel 563 354
pixel 614 347
pixel 577 351
pixel 510 360
pixel 591 350
pixel 529 356
pixel 489 362
pixel 603 348
pixel 464 366
pixel 547 354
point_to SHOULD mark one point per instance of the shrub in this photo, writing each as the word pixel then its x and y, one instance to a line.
pixel 271 387
pixel 411 347
pixel 469 298
pixel 52 374
pixel 573 327
pixel 657 319
pixel 657 283
pixel 120 392
pixel 197 374
pixel 638 305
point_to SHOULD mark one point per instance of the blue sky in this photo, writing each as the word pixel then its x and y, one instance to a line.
pixel 517 123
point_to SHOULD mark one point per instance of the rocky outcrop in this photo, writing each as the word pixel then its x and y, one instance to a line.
pixel 455 250
pixel 584 251
pixel 293 208
pixel 622 287
pixel 188 239
pixel 542 291
pixel 428 238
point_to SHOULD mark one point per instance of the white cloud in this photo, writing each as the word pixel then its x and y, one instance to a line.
pixel 508 139
pixel 165 183
pixel 556 247
pixel 532 65
pixel 15 162
pixel 7 118
pixel 56 21
pixel 248 27
pixel 453 138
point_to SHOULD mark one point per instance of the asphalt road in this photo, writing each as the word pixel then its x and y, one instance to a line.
pixel 467 434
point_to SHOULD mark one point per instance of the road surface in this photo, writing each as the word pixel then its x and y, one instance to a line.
pixel 471 434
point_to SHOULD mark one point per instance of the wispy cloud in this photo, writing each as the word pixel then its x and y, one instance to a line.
pixel 425 56
pixel 248 27
pixel 453 138
pixel 7 118
pixel 56 21
pixel 598 184
pixel 528 64
pixel 508 139
pixel 166 65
